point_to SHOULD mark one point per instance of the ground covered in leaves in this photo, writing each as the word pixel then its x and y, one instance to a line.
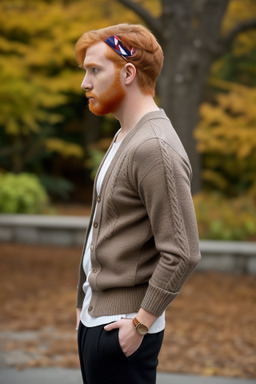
pixel 210 329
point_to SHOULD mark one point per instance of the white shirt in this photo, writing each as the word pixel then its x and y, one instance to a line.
pixel 85 318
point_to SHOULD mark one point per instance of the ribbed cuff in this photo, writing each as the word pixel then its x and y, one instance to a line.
pixel 156 300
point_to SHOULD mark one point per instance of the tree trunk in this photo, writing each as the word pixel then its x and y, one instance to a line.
pixel 180 93
pixel 189 33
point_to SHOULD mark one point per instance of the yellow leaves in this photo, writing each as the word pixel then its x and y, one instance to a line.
pixel 230 125
pixel 226 137
pixel 64 148
pixel 213 115
pixel 245 150
pixel 238 10
pixel 154 6
pixel 240 101
pixel 16 100
pixel 225 218
pixel 233 102
pixel 215 177
pixel 66 81
pixel 6 47
pixel 11 126
pixel 38 69
pixel 246 42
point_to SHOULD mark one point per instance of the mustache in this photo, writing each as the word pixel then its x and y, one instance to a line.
pixel 89 94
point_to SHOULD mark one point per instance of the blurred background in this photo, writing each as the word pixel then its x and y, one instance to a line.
pixel 51 146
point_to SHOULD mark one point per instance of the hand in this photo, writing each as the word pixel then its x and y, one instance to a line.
pixel 129 339
pixel 78 313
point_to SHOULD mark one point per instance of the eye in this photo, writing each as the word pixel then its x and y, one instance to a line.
pixel 95 70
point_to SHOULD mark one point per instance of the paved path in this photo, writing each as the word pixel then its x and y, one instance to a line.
pixel 72 376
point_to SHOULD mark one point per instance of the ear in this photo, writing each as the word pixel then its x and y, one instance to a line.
pixel 128 73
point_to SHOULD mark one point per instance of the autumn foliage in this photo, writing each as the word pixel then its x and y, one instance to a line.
pixel 44 123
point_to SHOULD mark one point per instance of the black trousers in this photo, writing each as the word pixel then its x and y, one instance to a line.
pixel 102 360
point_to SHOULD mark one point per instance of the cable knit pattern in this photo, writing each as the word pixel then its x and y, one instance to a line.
pixel 177 220
pixel 145 244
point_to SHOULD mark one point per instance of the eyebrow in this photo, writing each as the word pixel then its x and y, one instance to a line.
pixel 89 65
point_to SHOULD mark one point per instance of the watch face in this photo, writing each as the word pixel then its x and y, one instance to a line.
pixel 142 329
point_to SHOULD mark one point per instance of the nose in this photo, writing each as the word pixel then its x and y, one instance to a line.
pixel 86 83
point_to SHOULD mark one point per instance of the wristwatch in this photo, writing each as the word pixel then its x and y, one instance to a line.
pixel 141 328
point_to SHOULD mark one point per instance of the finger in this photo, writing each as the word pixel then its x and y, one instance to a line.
pixel 111 326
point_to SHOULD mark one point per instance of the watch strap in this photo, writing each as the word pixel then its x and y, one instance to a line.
pixel 135 322
pixel 141 328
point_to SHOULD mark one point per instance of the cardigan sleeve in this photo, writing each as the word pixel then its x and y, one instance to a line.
pixel 162 177
pixel 81 280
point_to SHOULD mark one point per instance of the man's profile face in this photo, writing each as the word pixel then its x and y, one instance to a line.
pixel 102 82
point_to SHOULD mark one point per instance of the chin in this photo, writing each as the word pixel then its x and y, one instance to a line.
pixel 99 111
pixel 104 109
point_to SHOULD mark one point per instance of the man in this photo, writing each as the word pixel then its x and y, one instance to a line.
pixel 142 241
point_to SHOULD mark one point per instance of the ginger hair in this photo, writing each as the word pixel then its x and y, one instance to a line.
pixel 147 58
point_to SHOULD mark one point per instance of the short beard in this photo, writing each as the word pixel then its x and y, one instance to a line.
pixel 110 100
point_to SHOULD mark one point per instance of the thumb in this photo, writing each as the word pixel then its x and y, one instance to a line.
pixel 111 326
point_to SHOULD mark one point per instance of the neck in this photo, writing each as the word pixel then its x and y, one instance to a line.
pixel 134 107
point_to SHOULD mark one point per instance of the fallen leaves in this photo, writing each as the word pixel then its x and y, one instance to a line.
pixel 210 327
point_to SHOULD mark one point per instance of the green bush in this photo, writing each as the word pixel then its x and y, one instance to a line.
pixel 22 193
pixel 223 218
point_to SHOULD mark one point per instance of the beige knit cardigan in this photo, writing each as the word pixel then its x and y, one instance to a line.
pixel 145 240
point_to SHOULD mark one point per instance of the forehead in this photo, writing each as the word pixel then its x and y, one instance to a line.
pixel 96 54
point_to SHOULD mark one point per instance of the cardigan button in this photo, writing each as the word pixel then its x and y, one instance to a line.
pixel 95 270
pixel 91 248
pixel 98 198
pixel 96 225
pixel 90 308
